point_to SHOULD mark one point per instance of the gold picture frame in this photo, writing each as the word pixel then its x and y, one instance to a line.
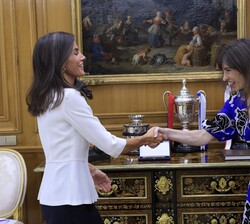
pixel 153 77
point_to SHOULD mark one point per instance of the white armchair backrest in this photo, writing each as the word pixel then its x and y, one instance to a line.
pixel 13 183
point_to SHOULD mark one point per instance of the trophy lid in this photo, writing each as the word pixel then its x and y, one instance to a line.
pixel 184 95
pixel 184 90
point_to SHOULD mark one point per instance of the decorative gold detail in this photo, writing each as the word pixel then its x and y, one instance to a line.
pixel 115 207
pixel 125 219
pixel 223 219
pixel 163 185
pixel 222 185
pixel 214 221
pixel 165 219
pixel 213 218
pixel 104 194
pixel 106 221
pixel 209 185
pixel 126 188
pixel 18 214
pixel 217 204
pixel 114 188
pixel 232 221
pixel 93 82
pixel 152 78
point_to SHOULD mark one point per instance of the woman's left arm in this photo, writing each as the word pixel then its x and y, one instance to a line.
pixel 101 180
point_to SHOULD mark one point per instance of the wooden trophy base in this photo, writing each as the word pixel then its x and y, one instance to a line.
pixel 183 148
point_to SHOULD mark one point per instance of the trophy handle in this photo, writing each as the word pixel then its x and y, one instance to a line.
pixel 202 112
pixel 202 92
pixel 198 98
pixel 164 99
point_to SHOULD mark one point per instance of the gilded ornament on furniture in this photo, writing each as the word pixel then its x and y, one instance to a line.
pixel 18 214
pixel 222 185
pixel 115 207
pixel 106 221
pixel 232 221
pixel 214 218
pixel 198 185
pixel 217 204
pixel 165 219
pixel 126 188
pixel 214 221
pixel 223 219
pixel 163 185
pixel 125 219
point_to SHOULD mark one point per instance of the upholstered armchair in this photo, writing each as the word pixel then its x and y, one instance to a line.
pixel 13 183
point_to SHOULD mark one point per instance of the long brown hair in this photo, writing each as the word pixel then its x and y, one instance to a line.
pixel 49 55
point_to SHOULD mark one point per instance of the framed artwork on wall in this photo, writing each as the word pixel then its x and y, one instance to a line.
pixel 153 40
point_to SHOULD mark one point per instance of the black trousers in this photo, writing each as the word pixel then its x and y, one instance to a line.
pixel 68 214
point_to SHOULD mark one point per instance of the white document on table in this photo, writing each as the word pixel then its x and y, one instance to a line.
pixel 161 152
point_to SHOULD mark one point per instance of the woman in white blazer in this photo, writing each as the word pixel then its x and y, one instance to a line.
pixel 67 127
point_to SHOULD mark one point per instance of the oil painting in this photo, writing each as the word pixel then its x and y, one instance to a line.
pixel 155 36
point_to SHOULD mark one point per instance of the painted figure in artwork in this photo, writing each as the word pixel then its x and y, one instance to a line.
pixel 154 31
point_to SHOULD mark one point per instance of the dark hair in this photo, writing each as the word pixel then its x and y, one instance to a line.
pixel 50 53
pixel 237 56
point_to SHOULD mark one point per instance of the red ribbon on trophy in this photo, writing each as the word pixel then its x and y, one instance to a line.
pixel 170 108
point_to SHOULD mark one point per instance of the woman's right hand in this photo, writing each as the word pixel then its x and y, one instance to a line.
pixel 161 131
pixel 154 137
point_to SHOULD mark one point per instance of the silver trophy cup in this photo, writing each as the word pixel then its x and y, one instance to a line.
pixel 185 111
pixel 185 106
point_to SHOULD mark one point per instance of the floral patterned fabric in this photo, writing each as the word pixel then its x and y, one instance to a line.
pixel 246 214
pixel 230 123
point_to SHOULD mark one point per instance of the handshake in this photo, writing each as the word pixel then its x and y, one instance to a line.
pixel 155 136
pixel 199 137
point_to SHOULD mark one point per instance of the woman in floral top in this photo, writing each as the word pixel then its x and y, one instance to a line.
pixel 233 119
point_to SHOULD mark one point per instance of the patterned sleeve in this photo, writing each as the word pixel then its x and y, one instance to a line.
pixel 232 121
pixel 222 126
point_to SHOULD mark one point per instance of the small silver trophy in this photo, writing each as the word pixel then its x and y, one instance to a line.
pixel 185 110
pixel 135 128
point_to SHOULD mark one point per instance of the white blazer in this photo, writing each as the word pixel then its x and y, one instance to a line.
pixel 66 133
